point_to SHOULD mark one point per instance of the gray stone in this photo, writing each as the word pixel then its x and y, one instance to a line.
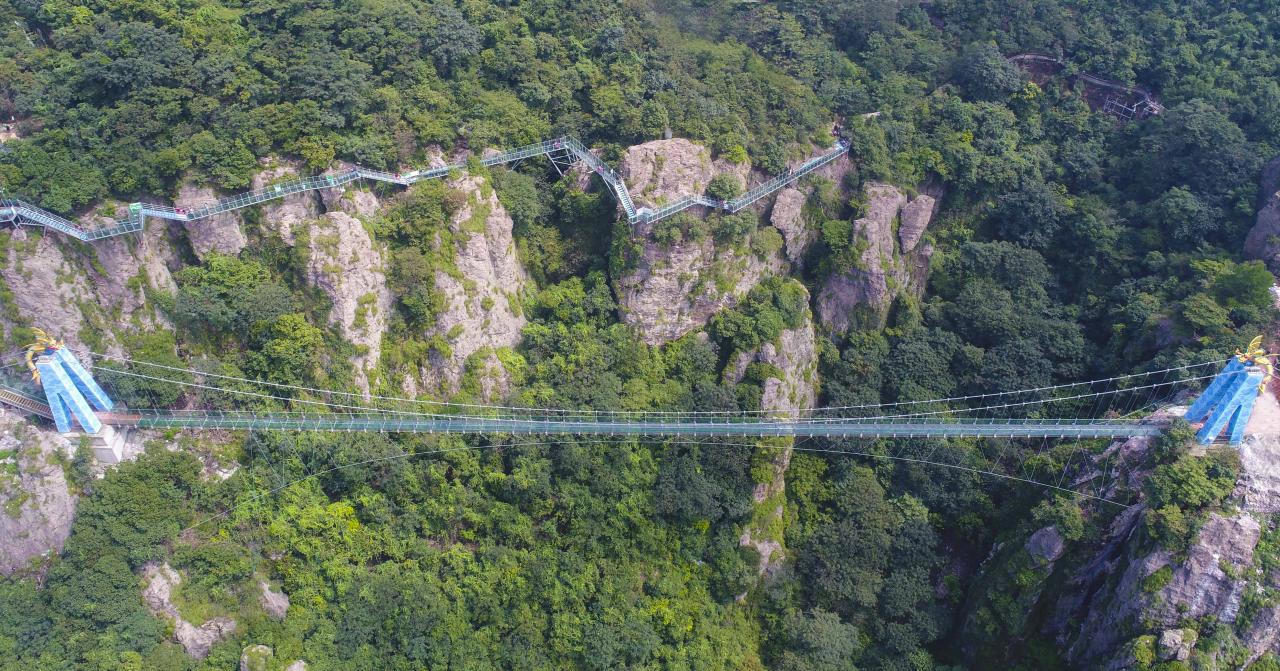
pixel 1046 544
pixel 276 604
pixel 347 265
pixel 914 219
pixel 788 217
pixel 1177 644
pixel 483 311
pixel 663 171
pixel 161 580
pixel 282 215
pixel 861 296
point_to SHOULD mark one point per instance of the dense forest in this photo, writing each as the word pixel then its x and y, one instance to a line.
pixel 1070 245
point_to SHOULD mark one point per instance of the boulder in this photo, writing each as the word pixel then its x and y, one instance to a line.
pixel 1046 544
pixel 36 506
pixel 787 217
pixel 914 219
pixel 1177 644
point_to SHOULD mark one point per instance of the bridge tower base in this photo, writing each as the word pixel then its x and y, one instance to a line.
pixel 107 443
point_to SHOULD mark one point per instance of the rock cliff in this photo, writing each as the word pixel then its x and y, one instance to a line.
pixel 672 288
pixel 662 171
pixel 790 394
pixel 86 294
pixel 1121 601
pixel 344 261
pixel 36 506
pixel 1263 241
pixel 890 259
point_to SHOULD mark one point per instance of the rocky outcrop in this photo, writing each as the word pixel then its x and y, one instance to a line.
pixel 674 289
pixel 345 263
pixel 787 216
pixel 483 293
pixel 161 580
pixel 1128 594
pixel 36 506
pixel 1046 544
pixel 221 233
pixel 662 171
pixel 275 604
pixel 887 264
pixel 1263 241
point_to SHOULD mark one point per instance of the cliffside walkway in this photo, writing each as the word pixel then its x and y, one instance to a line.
pixel 562 151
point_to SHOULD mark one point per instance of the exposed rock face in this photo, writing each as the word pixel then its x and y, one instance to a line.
pixel 60 289
pixel 221 233
pixel 36 509
pixel 483 299
pixel 354 201
pixel 1046 544
pixel 915 218
pixel 1126 588
pixel 284 214
pixel 1177 644
pixel 662 171
pixel 1197 587
pixel 346 264
pixel 675 289
pixel 862 295
pixel 298 665
pixel 1263 241
pixel 787 217
pixel 1259 485
pixel 48 289
pixel 276 604
pixel 197 641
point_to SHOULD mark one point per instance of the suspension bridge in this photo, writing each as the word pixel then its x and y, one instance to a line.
pixel 562 151
pixel 1106 408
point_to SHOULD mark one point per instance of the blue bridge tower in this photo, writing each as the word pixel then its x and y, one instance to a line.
pixel 1228 401
pixel 71 391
